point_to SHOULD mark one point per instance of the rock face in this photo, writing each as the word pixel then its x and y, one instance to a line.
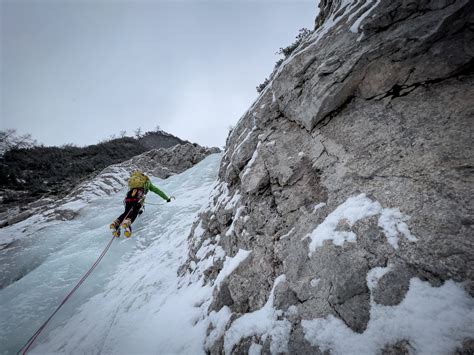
pixel 356 157
pixel 162 163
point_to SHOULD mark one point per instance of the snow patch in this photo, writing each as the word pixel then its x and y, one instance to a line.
pixel 218 320
pixel 263 322
pixel 224 199
pixel 219 253
pixel 355 26
pixel 204 249
pixel 393 223
pixel 208 254
pixel 318 206
pixel 230 264
pixel 198 231
pixel 251 161
pixel 255 349
pixel 355 208
pixel 288 234
pixel 435 320
pixel 375 274
pixel 233 202
pixel 239 146
pixel 235 219
pixel 292 311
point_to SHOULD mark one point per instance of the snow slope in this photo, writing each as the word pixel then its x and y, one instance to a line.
pixel 132 301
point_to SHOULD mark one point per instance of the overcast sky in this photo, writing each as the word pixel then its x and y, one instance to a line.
pixel 78 71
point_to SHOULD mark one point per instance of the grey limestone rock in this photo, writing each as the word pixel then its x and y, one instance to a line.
pixel 377 101
pixel 400 348
pixel 393 286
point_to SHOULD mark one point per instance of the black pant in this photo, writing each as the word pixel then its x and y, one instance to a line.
pixel 131 211
pixel 132 205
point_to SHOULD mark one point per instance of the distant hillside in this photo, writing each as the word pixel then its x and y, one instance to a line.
pixel 27 174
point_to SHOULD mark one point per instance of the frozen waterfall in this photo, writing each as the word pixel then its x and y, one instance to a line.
pixel 132 302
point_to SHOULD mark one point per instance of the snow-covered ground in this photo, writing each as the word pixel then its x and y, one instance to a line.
pixel 131 303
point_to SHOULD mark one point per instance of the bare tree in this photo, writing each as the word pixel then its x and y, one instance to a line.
pixel 10 140
pixel 138 132
pixel 123 134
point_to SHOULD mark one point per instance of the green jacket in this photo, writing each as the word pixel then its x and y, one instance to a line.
pixel 150 187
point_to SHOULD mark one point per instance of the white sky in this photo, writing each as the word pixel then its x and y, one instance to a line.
pixel 78 71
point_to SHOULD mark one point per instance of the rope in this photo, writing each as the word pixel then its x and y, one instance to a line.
pixel 153 204
pixel 158 204
pixel 30 341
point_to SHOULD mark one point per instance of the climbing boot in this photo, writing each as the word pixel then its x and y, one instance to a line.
pixel 128 231
pixel 115 228
pixel 127 226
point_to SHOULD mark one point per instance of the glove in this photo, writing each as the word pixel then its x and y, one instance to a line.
pixel 168 200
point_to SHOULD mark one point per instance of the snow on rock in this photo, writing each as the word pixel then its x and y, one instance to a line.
pixel 230 264
pixel 288 234
pixel 222 191
pixel 218 321
pixel 233 201
pixel 434 320
pixel 367 10
pixel 318 206
pixel 352 210
pixel 315 282
pixel 263 322
pixel 238 214
pixel 375 274
pixel 206 256
pixel 393 223
pixel 251 161
pixel 198 231
pixel 255 349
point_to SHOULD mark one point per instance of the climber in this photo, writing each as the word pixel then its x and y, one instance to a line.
pixel 138 185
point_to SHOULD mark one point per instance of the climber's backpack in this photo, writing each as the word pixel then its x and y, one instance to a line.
pixel 137 180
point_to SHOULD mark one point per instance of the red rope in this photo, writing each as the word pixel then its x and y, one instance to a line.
pixel 30 342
